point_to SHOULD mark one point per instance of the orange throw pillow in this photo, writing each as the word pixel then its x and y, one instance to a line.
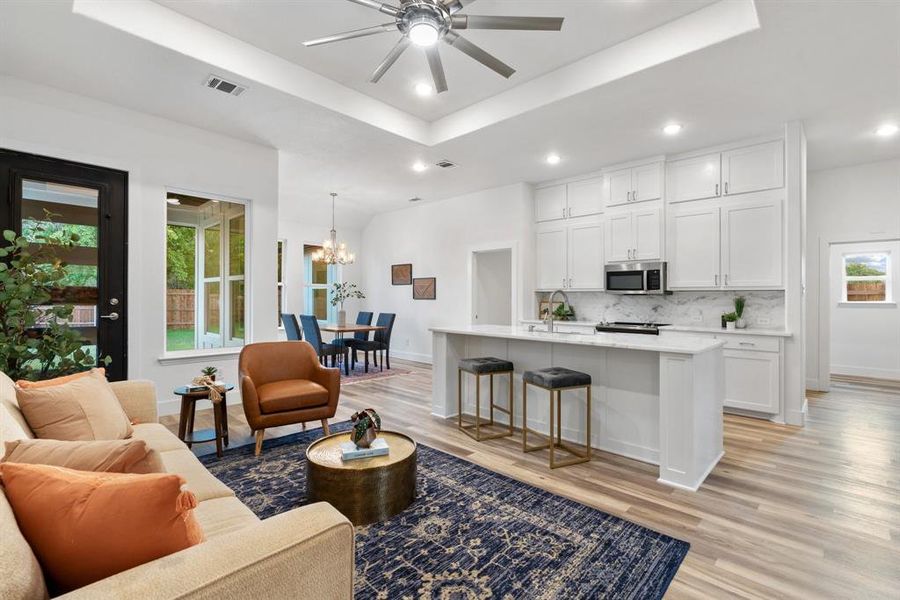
pixel 25 384
pixel 84 527
pixel 107 456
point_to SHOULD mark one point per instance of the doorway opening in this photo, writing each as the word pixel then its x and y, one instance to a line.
pixel 492 281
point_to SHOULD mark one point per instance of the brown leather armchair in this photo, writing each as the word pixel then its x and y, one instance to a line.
pixel 282 383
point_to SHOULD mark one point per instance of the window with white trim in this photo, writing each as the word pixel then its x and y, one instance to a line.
pixel 318 279
pixel 867 277
pixel 205 273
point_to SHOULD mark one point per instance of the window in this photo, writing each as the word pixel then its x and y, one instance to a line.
pixel 319 277
pixel 205 273
pixel 282 302
pixel 866 277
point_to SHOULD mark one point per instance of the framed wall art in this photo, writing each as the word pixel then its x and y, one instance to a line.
pixel 401 274
pixel 424 288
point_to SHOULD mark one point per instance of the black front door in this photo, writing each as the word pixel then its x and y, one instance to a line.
pixel 92 202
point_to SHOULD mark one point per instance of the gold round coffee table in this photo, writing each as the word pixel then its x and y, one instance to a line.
pixel 365 490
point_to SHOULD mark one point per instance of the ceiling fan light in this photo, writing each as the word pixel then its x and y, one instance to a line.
pixel 423 33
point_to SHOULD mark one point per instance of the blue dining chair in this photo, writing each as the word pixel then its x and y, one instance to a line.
pixel 291 327
pixel 381 341
pixel 314 337
pixel 362 318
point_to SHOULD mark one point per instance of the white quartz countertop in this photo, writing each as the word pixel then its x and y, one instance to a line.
pixel 679 344
pixel 719 330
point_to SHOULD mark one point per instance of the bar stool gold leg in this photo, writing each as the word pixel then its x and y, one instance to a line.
pixel 477 406
pixel 552 443
pixel 511 411
pixel 492 399
pixel 524 416
pixel 558 417
pixel 589 422
pixel 459 407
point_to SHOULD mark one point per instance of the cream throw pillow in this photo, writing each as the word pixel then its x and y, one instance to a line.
pixel 81 409
pixel 107 456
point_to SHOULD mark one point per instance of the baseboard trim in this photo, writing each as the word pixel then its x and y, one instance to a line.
pixel 412 356
pixel 850 371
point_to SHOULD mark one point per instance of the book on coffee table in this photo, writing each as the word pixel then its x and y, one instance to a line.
pixel 349 450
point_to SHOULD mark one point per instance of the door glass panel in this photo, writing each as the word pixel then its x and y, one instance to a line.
pixel 211 307
pixel 320 303
pixel 53 211
pixel 236 246
pixel 212 251
pixel 181 261
pixel 237 310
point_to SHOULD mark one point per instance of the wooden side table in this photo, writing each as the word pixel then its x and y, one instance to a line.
pixel 365 490
pixel 219 432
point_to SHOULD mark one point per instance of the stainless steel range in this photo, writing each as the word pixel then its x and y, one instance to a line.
pixel 629 327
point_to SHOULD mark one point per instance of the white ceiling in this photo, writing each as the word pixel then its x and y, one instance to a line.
pixel 835 65
pixel 279 27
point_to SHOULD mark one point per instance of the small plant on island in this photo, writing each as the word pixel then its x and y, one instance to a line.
pixel 564 312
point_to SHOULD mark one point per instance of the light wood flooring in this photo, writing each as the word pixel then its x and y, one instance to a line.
pixel 787 513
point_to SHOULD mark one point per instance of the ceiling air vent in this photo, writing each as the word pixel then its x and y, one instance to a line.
pixel 446 164
pixel 416 199
pixel 217 83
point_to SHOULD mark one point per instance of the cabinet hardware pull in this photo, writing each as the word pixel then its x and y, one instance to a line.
pixel 634 195
pixel 726 278
pixel 717 279
pixel 564 212
pixel 570 211
pixel 726 188
pixel 746 343
pixel 717 189
pixel 564 282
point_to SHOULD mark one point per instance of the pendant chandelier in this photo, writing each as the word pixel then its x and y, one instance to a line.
pixel 332 253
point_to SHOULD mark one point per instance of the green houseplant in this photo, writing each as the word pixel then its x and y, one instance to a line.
pixel 341 292
pixel 209 372
pixel 739 303
pixel 36 341
pixel 730 320
pixel 564 312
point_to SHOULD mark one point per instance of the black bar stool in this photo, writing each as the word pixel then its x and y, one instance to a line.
pixel 556 379
pixel 478 367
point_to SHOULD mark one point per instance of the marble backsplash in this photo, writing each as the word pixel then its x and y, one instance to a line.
pixel 702 309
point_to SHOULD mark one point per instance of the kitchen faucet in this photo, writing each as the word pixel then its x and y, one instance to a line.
pixel 550 310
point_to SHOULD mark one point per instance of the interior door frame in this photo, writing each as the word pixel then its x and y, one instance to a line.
pixel 112 273
pixel 472 272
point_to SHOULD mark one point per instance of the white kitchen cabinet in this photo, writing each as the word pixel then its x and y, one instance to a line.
pixel 585 198
pixel 634 184
pixel 634 234
pixel 693 178
pixel 693 246
pixel 550 203
pixel 647 234
pixel 570 254
pixel 753 168
pixel 752 244
pixel 752 380
pixel 586 255
pixel 647 182
pixel 550 248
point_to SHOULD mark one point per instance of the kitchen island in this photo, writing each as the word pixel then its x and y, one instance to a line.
pixel 657 399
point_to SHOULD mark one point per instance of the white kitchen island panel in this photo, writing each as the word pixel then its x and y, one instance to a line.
pixel 652 400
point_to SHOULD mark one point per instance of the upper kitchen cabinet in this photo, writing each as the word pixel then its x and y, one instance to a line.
pixel 634 184
pixel 550 203
pixel 753 169
pixel 569 255
pixel 693 178
pixel 585 197
pixel 551 258
pixel 568 201
pixel 752 252
pixel 634 233
pixel 739 171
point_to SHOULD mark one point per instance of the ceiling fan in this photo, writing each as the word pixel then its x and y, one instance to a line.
pixel 426 22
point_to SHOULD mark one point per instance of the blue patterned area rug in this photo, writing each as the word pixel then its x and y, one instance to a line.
pixel 471 533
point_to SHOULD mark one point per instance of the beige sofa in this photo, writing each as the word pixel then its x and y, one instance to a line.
pixel 303 553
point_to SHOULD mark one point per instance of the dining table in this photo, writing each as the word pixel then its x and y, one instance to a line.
pixel 340 331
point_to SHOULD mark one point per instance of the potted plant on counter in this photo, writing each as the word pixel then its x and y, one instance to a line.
pixel 341 292
pixel 739 303
pixel 730 320
pixel 564 312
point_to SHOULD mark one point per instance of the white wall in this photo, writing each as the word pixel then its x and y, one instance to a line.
pixel 865 338
pixel 438 238
pixel 849 204
pixel 157 154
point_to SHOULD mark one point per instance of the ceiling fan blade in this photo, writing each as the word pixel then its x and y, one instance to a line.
pixel 454 6
pixel 349 35
pixel 467 47
pixel 379 6
pixel 515 23
pixel 390 59
pixel 437 69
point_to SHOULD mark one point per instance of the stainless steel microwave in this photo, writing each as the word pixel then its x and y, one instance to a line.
pixel 636 278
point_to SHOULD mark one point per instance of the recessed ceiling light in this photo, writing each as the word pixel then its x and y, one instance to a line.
pixel 419 166
pixel 887 130
pixel 553 159
pixel 173 201
pixel 672 128
pixel 423 89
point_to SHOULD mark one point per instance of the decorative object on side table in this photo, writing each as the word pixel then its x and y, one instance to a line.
pixel 739 303
pixel 340 292
pixel 209 372
pixel 401 274
pixel 424 288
